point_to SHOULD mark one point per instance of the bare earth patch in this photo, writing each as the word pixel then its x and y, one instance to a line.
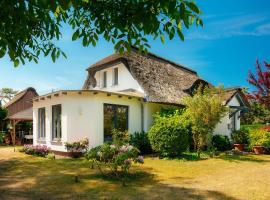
pixel 226 177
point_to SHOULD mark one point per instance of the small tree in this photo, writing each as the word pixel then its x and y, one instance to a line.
pixel 205 109
pixel 261 81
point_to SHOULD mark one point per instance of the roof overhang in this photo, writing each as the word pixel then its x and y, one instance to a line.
pixel 25 115
pixel 82 92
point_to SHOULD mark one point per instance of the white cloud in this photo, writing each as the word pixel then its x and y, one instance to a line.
pixel 232 26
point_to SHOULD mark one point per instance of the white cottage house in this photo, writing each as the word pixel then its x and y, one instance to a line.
pixel 122 91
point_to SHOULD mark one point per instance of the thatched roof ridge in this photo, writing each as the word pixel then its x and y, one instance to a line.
pixel 19 95
pixel 163 81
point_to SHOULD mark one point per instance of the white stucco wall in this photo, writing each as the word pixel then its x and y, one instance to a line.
pixel 222 128
pixel 82 117
pixel 125 79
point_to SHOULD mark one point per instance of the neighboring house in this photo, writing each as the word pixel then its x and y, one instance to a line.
pixel 20 109
pixel 237 103
pixel 120 91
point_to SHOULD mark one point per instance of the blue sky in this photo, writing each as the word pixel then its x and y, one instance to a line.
pixel 236 33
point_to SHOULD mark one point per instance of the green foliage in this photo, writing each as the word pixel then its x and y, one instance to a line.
pixel 251 126
pixel 37 150
pixel 3 113
pixel 114 157
pixel 29 28
pixel 141 141
pixel 78 146
pixel 7 93
pixel 2 137
pixel 257 114
pixel 259 137
pixel 169 134
pixel 221 142
pixel 240 136
pixel 120 137
pixel 51 156
pixel 205 109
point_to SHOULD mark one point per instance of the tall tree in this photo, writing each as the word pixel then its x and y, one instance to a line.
pixel 28 28
pixel 205 109
pixel 261 81
pixel 6 94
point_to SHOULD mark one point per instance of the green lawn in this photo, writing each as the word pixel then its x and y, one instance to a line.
pixel 236 177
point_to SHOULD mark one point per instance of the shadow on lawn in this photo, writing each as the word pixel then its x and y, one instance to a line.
pixel 31 178
pixel 237 158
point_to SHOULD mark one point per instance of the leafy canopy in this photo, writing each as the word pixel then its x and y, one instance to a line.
pixel 29 28
pixel 205 109
pixel 261 82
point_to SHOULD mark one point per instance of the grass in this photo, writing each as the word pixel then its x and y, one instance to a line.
pixel 252 126
pixel 225 177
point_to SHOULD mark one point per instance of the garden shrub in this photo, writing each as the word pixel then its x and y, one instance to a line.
pixel 259 137
pixel 37 150
pixel 120 137
pixel 2 137
pixel 114 157
pixel 117 156
pixel 169 135
pixel 79 146
pixel 141 141
pixel 221 142
pixel 240 136
pixel 51 156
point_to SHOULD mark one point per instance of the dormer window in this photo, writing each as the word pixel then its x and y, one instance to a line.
pixel 104 79
pixel 115 76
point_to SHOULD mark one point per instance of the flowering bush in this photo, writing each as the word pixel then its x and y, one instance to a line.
pixel 79 146
pixel 267 128
pixel 38 150
pixel 117 158
pixel 260 137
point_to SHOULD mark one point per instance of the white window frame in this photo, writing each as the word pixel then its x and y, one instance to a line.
pixel 57 132
pixel 104 79
pixel 41 123
pixel 115 79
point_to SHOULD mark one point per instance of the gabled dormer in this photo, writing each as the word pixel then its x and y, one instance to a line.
pixel 114 77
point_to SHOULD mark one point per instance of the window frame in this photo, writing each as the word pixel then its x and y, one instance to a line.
pixel 55 135
pixel 104 79
pixel 115 106
pixel 115 76
pixel 41 129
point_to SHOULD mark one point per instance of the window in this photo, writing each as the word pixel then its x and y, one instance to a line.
pixel 56 122
pixel 104 79
pixel 115 116
pixel 41 123
pixel 115 76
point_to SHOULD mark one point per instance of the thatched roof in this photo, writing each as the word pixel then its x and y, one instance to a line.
pixel 18 96
pixel 162 80
pixel 231 92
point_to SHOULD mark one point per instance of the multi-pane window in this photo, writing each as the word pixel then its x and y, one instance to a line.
pixel 115 117
pixel 41 123
pixel 56 122
pixel 115 76
pixel 104 84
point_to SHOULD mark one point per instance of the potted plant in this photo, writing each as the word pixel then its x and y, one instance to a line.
pixel 240 139
pixel 259 140
pixel 76 149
